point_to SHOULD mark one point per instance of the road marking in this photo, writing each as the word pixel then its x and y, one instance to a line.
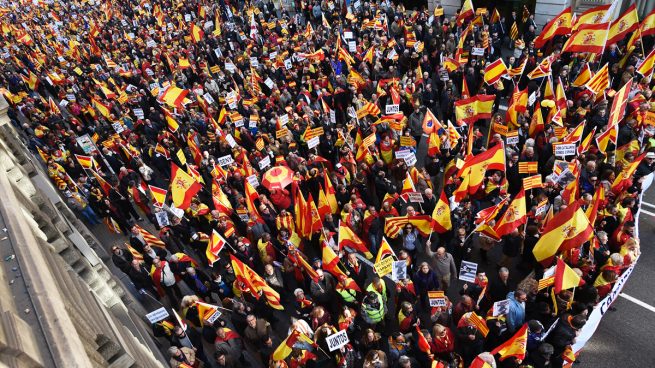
pixel 648 204
pixel 647 212
pixel 638 302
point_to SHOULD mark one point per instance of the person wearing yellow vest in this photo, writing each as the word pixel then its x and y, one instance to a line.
pixel 378 286
pixel 373 308
pixel 348 294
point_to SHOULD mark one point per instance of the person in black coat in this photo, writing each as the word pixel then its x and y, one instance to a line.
pixel 121 258
pixel 141 279
pixel 564 335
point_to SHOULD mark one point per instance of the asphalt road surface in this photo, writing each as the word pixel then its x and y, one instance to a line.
pixel 626 337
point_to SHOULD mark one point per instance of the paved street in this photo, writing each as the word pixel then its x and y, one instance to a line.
pixel 625 337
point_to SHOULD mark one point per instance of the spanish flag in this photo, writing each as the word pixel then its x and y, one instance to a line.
pixel 430 122
pixel 101 182
pixel 102 108
pixel 183 187
pixel 422 342
pixel 575 135
pixel 474 108
pixel 648 24
pixel 286 347
pixel 491 159
pixel 560 25
pixel 158 195
pixel 588 38
pixel 85 161
pixel 591 16
pixel 214 246
pixel 466 12
pixel 196 33
pixel 623 178
pixel 433 144
pixel 384 251
pixel 565 277
pixel 537 121
pixel 619 103
pixel 441 221
pixel 626 23
pixel 603 140
pixel 646 66
pixel 515 346
pixel 349 239
pixel 568 230
pixel 515 215
pixel 330 194
pixel 494 71
pixel 173 96
pixel 583 77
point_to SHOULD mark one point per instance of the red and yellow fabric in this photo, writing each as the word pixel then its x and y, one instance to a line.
pixel 560 25
pixel 589 37
pixel 158 195
pixel 569 229
pixel 183 187
pixel 600 81
pixel 514 216
pixel 214 246
pixel 441 221
pixel 648 24
pixel 494 71
pixel 626 23
pixel 474 108
pixel 173 96
pixel 515 346
pixel 348 238
pixel 592 16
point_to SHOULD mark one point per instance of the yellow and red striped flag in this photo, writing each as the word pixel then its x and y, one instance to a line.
pixel 466 12
pixel 515 214
pixel 196 33
pixel 514 32
pixel 592 16
pixel 560 25
pixel 586 142
pixel 648 24
pixel 603 140
pixel 494 71
pixel 158 195
pixel 348 238
pixel 646 66
pixel 214 246
pixel 530 167
pixel 583 77
pixel 619 103
pixel 600 81
pixel 544 283
pixel 626 23
pixel 479 323
pixel 515 346
pixel 532 182
pixel 568 230
pixel 150 239
pixel 173 96
pixel 588 38
pixel 85 161
pixel 183 187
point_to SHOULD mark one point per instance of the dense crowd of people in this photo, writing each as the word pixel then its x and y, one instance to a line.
pixel 283 153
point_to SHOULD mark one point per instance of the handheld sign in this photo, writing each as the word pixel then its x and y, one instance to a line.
pixel 565 149
pixel 399 270
pixel 467 271
pixel 384 267
pixel 157 315
pixel 337 341
pixel 391 109
pixel 501 307
pixel 437 298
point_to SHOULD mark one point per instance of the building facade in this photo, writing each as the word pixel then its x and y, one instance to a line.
pixel 60 306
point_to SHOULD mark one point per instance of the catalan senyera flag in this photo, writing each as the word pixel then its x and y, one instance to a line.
pixel 514 216
pixel 85 161
pixel 255 283
pixel 646 66
pixel 214 246
pixel 591 16
pixel 648 24
pixel 542 70
pixel 494 71
pixel 600 81
pixel 474 108
pixel 196 33
pixel 158 195
pixel 532 182
pixel 515 346
pixel 568 230
pixel 514 32
pixel 583 77
pixel 626 23
pixel 529 167
pixel 183 187
pixel 560 25
pixel 565 277
pixel 173 96
pixel 588 38
pixel 441 221
pixel 466 12
pixel 479 323
pixel 348 238
pixel 619 103
pixel 394 225
pixel 385 250
pixel 544 283
pixel 150 239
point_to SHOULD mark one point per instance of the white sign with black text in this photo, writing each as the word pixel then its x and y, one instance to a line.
pixel 337 341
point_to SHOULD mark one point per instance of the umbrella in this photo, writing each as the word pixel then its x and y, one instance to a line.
pixel 277 177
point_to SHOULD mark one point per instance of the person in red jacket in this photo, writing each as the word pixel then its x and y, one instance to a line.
pixel 443 342
pixel 280 198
